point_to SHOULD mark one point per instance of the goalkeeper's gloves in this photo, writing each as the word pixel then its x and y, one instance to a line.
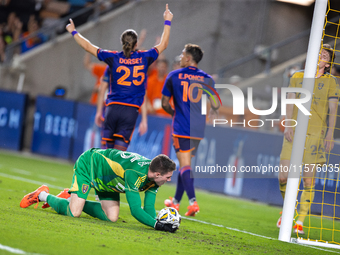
pixel 167 227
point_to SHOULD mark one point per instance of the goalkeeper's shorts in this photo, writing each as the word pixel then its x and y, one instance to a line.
pixel 81 181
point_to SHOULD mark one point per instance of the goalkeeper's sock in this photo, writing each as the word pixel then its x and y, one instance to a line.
pixel 179 190
pixel 283 189
pixel 43 196
pixel 306 200
pixel 95 210
pixel 188 182
pixel 60 205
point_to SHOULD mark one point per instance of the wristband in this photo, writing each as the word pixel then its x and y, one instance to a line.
pixel 74 32
pixel 167 22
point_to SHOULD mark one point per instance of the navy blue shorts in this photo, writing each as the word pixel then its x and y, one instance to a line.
pixel 120 121
pixel 185 145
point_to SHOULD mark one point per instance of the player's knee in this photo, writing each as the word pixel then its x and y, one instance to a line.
pixel 75 212
pixel 282 180
pixel 113 218
pixel 111 215
pixel 307 182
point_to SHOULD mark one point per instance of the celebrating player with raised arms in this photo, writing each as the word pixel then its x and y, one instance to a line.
pixel 127 84
pixel 187 85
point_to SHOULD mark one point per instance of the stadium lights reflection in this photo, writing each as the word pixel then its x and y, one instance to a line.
pixel 299 2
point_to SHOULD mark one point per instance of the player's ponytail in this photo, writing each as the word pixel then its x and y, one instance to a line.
pixel 129 40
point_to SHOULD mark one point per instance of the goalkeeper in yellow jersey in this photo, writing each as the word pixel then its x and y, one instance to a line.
pixel 111 172
pixel 319 134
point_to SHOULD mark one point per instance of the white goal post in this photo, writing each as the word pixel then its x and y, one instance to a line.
pixel 302 120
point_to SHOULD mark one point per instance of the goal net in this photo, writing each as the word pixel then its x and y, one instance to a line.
pixel 317 205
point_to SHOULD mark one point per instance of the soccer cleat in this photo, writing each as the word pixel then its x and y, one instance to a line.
pixel 62 194
pixel 169 203
pixel 298 229
pixel 192 209
pixel 33 197
pixel 278 223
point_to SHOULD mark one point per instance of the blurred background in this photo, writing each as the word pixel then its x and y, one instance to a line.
pixel 248 43
pixel 48 84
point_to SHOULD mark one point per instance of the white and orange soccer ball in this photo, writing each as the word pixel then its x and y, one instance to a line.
pixel 169 215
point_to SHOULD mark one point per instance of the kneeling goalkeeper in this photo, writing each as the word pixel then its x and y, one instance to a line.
pixel 111 172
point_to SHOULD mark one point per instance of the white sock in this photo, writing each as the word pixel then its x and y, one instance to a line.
pixel 175 201
pixel 299 223
pixel 192 201
pixel 43 196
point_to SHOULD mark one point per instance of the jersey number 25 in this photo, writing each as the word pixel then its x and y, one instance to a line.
pixel 136 74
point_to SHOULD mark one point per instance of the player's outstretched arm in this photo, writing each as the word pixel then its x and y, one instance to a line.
pixel 166 31
pixel 143 125
pixel 149 201
pixel 137 212
pixel 82 41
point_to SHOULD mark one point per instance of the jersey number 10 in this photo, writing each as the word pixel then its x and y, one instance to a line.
pixel 188 92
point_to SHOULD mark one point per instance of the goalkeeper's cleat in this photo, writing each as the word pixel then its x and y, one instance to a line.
pixel 170 203
pixel 33 197
pixel 62 194
pixel 278 223
pixel 192 209
pixel 298 229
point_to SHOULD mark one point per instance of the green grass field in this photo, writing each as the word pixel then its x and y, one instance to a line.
pixel 224 226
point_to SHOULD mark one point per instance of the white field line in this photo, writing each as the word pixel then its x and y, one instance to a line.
pixel 12 250
pixel 47 177
pixel 250 233
pixel 18 178
pixel 15 251
pixel 187 218
pixel 20 171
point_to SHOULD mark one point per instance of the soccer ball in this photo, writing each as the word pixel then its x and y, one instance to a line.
pixel 169 215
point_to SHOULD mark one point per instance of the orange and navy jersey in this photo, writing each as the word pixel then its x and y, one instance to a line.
pixel 128 75
pixel 187 85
